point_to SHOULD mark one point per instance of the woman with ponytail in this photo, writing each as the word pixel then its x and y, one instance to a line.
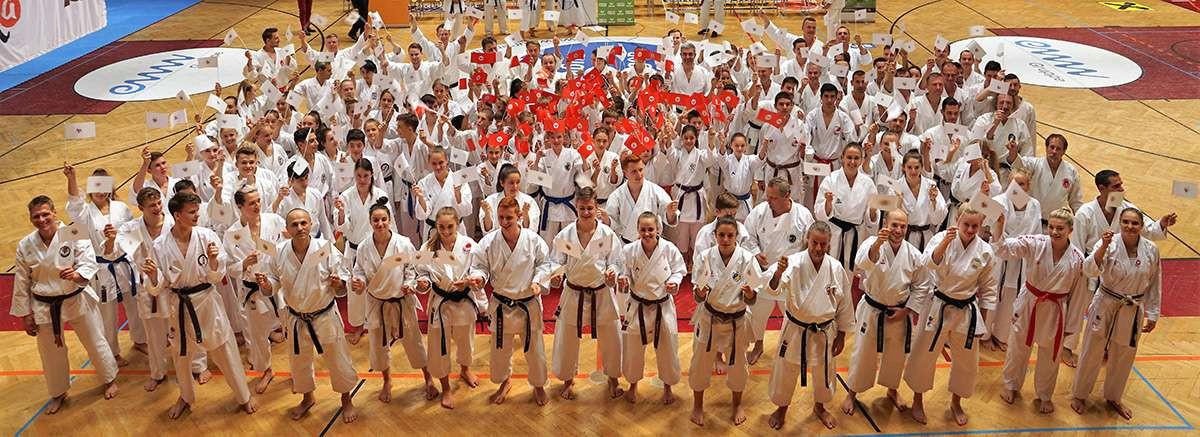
pixel 351 217
pixel 508 185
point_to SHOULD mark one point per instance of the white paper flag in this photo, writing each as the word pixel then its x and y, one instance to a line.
pixel 672 17
pixel 458 156
pixel 766 61
pixel 207 61
pixel 751 26
pixel 690 18
pixel 881 39
pixel 1017 195
pixel 230 36
pixel 1184 189
pixel 881 202
pixel 73 232
pixel 264 246
pixel 183 97
pixel 79 131
pixel 130 240
pixel 178 118
pixel 978 30
pixel 550 16
pixel 998 86
pixel 186 169
pixel 986 205
pixel 816 169
pixel 216 103
pixel 904 83
pixel 99 184
pixel 157 120
pixel 941 43
pixel 319 20
pixel 1115 200
pixel 860 15
pixel 540 179
pixel 514 14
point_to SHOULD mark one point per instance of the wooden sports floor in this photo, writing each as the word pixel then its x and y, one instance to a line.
pixel 1151 142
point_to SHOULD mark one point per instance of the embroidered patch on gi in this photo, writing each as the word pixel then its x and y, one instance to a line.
pixel 202 260
pixel 792 238
pixel 65 251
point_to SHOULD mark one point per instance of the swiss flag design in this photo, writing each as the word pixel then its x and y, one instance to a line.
pixel 488 58
pixel 641 54
pixel 771 118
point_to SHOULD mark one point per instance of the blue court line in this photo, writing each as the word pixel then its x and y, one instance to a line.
pixel 124 17
pixel 47 404
pixel 1186 425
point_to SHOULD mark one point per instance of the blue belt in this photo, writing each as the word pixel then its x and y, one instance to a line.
pixel 743 197
pixel 112 269
pixel 551 200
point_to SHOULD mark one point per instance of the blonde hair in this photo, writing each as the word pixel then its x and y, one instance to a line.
pixel 434 241
pixel 1065 215
pixel 966 209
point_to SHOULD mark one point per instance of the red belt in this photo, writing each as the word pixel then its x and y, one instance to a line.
pixel 816 183
pixel 1043 296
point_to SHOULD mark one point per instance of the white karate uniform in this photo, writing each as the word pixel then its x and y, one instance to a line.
pixel 511 271
pixel 786 153
pixel 392 315
pixel 736 176
pixel 313 320
pixel 964 185
pixel 116 279
pixel 1131 288
pixel 1014 128
pixel 698 82
pixel 623 210
pixel 493 220
pixel 260 311
pixel 818 297
pixel 314 203
pixel 775 237
pixel 180 270
pixel 965 274
pixel 898 279
pixel 598 256
pixel 850 218
pixel 154 316
pixel 439 195
pixel 1059 308
pixel 355 228
pixel 458 311
pixel 722 319
pixel 37 267
pixel 707 238
pixel 650 315
pixel 1011 274
pixel 558 203
pixel 1090 224
pixel 691 169
pixel 921 214
pixel 1053 189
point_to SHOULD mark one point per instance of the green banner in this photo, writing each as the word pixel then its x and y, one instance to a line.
pixel 614 12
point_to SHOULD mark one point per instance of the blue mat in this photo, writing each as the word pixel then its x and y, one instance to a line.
pixel 124 17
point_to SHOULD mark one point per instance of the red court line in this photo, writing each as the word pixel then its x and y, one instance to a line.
pixel 377 375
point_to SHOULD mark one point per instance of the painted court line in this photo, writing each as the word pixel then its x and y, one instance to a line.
pixel 47 404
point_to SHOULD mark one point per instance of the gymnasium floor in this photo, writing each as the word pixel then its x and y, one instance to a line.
pixel 1149 130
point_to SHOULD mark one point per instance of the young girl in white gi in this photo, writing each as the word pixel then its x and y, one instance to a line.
pixel 922 201
pixel 453 307
pixel 508 185
pixel 588 252
pixel 842 201
pixel 1054 289
pixel 726 275
pixel 652 270
pixel 298 194
pixel 736 173
pixel 1130 274
pixel 961 264
pixel 818 307
pixel 439 189
pixel 392 307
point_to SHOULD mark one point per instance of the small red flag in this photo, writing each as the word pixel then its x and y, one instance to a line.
pixel 772 118
pixel 488 58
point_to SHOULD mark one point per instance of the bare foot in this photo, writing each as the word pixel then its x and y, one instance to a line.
pixel 299 411
pixel 153 383
pixel 431 392
pixel 264 381
pixel 241 339
pixel 1002 345
pixel 121 361
pixel 385 393
pixel 739 415
pixel 721 367
pixel 1121 409
pixel 349 411
pixel 277 337
pixel 1008 396
pixel 203 377
pixel 894 396
pixel 698 416
pixel 539 396
pixel 141 347
pixel 1069 358
pixel 447 400
pixel 178 409
pixel 848 404
pixel 1077 405
pixel 56 403
pixel 355 336
pixel 614 388
pixel 827 419
pixel 566 392
pixel 777 418
pixel 111 390
pixel 1045 407
pixel 631 393
pixel 960 416
pixel 755 354
pixel 468 377
pixel 918 411
pixel 668 398
pixel 250 406
pixel 501 393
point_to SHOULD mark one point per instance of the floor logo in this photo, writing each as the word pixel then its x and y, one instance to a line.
pixel 1056 63
pixel 161 75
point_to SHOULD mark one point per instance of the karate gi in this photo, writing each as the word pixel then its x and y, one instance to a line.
pixel 392 315
pixel 516 313
pixel 438 195
pixel 1011 274
pixel 558 204
pixel 261 311
pixel 851 218
pixel 650 314
pixel 826 143
pixel 818 307
pixel 736 176
pixel 897 280
pixel 722 318
pixel 452 313
pixel 493 200
pixel 116 281
pixel 925 215
pixel 623 210
pixel 38 290
pixel 356 227
pixel 586 300
pixel 775 237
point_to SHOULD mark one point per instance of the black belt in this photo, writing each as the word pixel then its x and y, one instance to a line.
pixel 642 318
pixel 960 304
pixel 693 190
pixel 252 287
pixel 783 168
pixel 55 303
pixel 448 296
pixel 519 303
pixel 551 200
pixel 920 230
pixel 591 291
pixel 885 311
pixel 351 244
pixel 112 269
pixel 817 327
pixel 411 211
pixel 1125 300
pixel 383 319
pixel 846 227
pixel 722 317
pixel 308 318
pixel 186 306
